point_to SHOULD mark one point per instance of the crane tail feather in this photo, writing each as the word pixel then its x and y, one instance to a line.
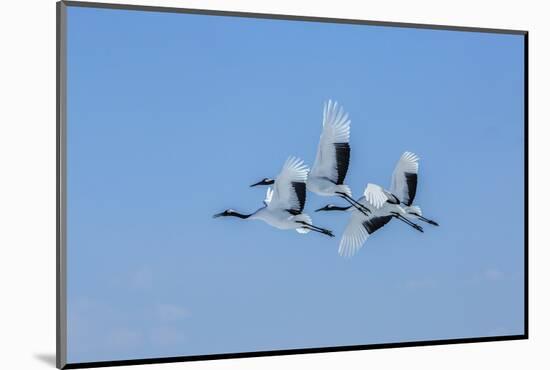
pixel 305 218
pixel 344 189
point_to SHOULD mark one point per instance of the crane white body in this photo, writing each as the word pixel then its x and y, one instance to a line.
pixel 281 219
pixel 403 186
pixel 361 226
pixel 283 205
pixel 324 187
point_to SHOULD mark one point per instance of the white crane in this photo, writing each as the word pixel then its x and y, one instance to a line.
pixel 284 204
pixel 384 206
pixel 403 186
pixel 332 161
pixel 361 226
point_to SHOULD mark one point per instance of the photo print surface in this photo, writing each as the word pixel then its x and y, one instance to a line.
pixel 388 173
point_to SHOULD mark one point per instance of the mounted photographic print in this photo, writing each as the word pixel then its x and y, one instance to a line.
pixel 235 184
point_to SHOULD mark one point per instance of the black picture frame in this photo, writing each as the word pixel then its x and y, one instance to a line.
pixel 61 145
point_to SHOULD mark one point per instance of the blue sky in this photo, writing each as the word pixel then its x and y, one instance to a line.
pixel 172 116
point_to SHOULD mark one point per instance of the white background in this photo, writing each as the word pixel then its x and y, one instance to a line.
pixel 27 182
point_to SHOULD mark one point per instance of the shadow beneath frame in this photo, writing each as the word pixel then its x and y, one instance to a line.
pixel 47 358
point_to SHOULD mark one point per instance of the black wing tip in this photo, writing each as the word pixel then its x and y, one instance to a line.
pixel 412 181
pixel 342 161
pixel 375 223
pixel 300 190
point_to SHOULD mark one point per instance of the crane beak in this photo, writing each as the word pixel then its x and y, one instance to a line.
pixel 258 183
pixel 320 209
pixel 217 215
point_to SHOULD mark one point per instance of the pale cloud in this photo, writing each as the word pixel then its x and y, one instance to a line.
pixel 100 330
pixel 124 338
pixel 142 278
pixel 171 312
pixel 166 336
pixel 96 330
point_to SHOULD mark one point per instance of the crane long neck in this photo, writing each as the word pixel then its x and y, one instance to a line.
pixel 240 215
pixel 337 208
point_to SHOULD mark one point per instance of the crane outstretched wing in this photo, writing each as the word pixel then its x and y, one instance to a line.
pixel 333 152
pixel 375 195
pixel 289 190
pixel 268 196
pixel 359 228
pixel 405 177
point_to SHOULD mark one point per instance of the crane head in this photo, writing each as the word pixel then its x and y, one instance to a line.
pixel 227 212
pixel 264 181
